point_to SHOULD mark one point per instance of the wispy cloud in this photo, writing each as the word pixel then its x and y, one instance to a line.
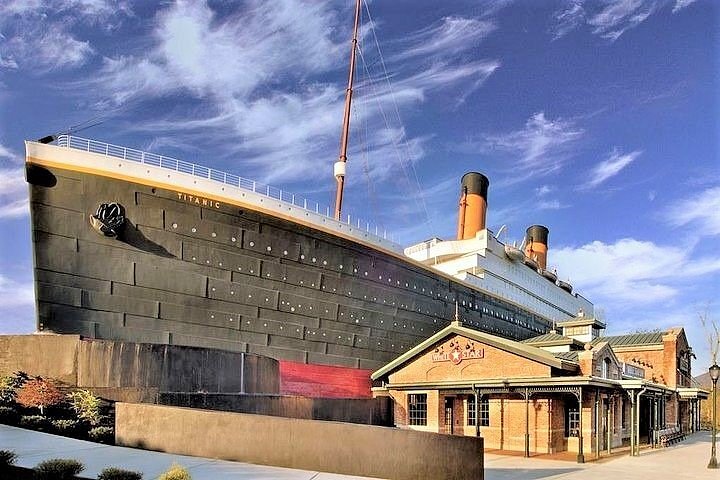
pixel 15 294
pixel 610 167
pixel 609 19
pixel 701 210
pixel 680 4
pixel 450 36
pixel 39 36
pixel 13 193
pixel 567 19
pixel 542 147
pixel 630 271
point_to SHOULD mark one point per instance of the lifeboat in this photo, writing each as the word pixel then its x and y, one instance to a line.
pixel 552 276
pixel 514 253
pixel 565 286
pixel 531 262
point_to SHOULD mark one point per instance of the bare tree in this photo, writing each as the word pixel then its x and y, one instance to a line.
pixel 712 333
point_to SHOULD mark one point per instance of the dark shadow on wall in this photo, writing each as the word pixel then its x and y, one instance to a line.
pixel 135 238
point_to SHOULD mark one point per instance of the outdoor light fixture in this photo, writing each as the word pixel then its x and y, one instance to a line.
pixel 714 374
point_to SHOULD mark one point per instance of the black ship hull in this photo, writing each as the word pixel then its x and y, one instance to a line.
pixel 189 270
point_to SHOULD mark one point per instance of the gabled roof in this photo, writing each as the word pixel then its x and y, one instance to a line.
pixel 456 328
pixel 653 338
pixel 551 339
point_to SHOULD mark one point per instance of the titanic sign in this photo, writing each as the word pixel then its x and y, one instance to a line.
pixel 456 352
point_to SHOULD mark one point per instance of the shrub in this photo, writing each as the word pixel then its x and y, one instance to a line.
pixel 58 469
pixel 9 385
pixel 176 472
pixel 35 422
pixel 112 473
pixel 39 393
pixel 7 458
pixel 66 427
pixel 9 416
pixel 102 434
pixel 86 406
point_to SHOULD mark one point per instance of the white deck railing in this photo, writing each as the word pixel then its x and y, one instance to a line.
pixel 162 161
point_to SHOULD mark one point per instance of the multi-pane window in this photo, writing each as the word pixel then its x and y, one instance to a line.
pixel 572 422
pixel 484 411
pixel 417 409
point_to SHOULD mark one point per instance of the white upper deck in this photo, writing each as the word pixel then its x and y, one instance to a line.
pixel 482 262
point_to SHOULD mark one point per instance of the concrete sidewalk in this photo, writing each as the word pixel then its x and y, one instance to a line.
pixel 685 460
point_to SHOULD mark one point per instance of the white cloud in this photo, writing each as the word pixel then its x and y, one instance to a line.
pixel 702 210
pixel 542 146
pixel 680 4
pixel 13 193
pixel 15 294
pixel 608 19
pixel 619 16
pixel 610 167
pixel 553 204
pixel 544 190
pixel 630 271
pixel 450 36
pixel 39 36
pixel 567 19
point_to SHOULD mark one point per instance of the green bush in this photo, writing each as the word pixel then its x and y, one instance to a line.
pixel 112 473
pixel 7 458
pixel 66 427
pixel 9 416
pixel 58 469
pixel 102 434
pixel 35 422
pixel 86 406
pixel 176 472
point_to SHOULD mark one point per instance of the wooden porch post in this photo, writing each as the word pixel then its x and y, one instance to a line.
pixel 580 456
pixel 527 422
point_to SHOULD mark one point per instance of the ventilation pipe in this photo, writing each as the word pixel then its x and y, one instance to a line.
pixel 536 244
pixel 473 205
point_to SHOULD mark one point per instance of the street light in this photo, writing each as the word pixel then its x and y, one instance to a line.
pixel 714 374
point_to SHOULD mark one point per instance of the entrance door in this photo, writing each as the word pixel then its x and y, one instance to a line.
pixel 449 415
pixel 605 420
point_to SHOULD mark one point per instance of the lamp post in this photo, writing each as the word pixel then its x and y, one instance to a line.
pixel 714 374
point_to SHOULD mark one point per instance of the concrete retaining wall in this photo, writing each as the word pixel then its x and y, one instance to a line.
pixel 307 444
pixel 368 411
pixel 114 365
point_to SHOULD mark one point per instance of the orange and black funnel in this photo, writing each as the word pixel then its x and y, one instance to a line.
pixel 536 244
pixel 473 204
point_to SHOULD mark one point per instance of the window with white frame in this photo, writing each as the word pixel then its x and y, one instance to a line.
pixel 484 411
pixel 417 409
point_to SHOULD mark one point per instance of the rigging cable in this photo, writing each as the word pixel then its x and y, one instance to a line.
pixel 419 191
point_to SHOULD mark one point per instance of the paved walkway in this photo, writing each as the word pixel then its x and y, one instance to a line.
pixel 685 460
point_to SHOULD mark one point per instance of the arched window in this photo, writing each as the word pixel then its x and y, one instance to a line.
pixel 606 368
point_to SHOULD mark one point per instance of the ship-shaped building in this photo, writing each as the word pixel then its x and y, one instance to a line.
pixel 134 246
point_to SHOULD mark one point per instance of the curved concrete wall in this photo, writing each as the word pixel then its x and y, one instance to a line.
pixel 306 444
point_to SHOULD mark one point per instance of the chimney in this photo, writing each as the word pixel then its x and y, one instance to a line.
pixel 536 244
pixel 473 204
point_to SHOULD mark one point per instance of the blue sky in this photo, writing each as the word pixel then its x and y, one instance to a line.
pixel 598 119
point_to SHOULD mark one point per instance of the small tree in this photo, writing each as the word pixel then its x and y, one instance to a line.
pixel 86 405
pixel 39 393
pixel 712 334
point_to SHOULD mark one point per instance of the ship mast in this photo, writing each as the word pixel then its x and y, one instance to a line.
pixel 339 168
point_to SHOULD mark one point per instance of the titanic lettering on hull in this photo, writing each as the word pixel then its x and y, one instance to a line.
pixel 200 201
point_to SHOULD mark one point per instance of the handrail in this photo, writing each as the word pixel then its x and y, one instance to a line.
pixel 107 149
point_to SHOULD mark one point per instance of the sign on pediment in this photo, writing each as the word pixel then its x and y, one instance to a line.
pixel 456 351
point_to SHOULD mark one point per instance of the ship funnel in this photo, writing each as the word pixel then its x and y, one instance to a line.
pixel 473 204
pixel 536 244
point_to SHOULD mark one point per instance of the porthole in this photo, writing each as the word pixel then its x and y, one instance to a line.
pixel 174 225
pixel 193 229
pixel 252 244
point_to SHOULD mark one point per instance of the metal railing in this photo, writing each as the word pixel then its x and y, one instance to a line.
pixel 147 158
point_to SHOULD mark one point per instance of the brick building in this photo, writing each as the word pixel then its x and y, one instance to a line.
pixel 577 391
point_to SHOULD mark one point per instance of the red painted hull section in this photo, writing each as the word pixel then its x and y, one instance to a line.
pixel 320 381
